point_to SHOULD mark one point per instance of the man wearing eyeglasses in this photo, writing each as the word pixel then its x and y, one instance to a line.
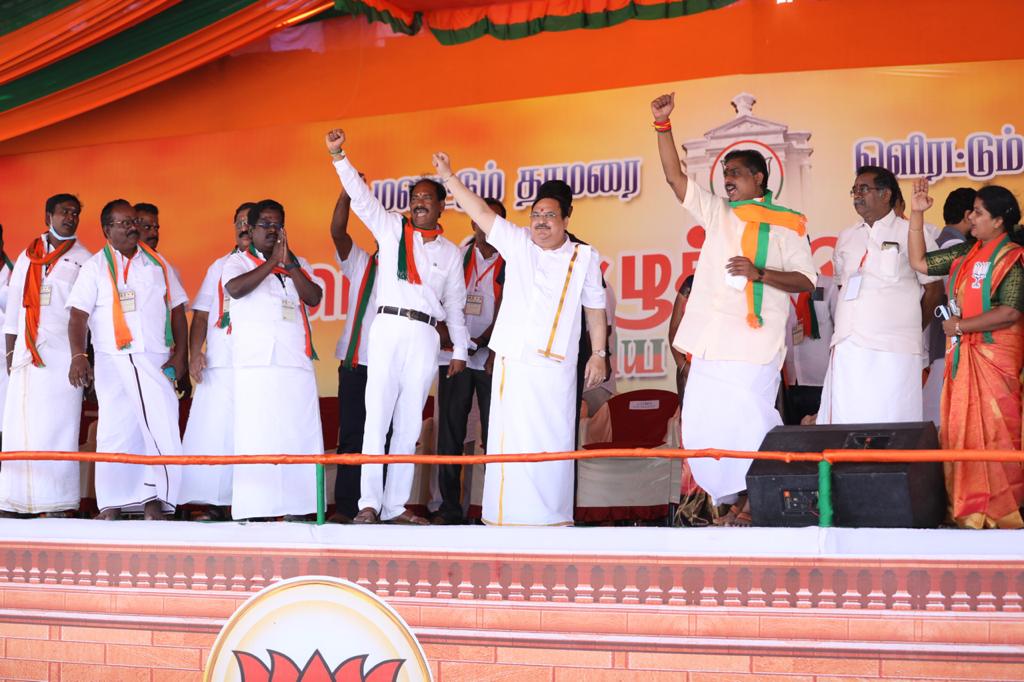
pixel 874 374
pixel 551 283
pixel 127 296
pixel 420 283
pixel 42 411
pixel 276 403
pixel 754 256
pixel 210 429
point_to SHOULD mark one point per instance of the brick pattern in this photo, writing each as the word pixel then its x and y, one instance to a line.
pixel 114 613
pixel 784 583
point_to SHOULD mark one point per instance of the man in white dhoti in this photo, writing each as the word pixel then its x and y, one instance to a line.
pixel 419 283
pixel 755 254
pixel 42 411
pixel 277 407
pixel 129 298
pixel 210 426
pixel 875 371
pixel 550 281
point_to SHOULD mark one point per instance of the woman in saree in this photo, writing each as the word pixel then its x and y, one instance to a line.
pixel 981 393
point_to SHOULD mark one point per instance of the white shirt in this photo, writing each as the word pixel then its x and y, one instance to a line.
pixel 480 304
pixel 266 324
pixel 92 294
pixel 807 361
pixel 715 324
pixel 353 268
pixel 532 274
pixel 886 314
pixel 443 292
pixel 218 341
pixel 54 290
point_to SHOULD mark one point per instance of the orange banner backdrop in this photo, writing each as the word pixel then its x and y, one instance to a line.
pixel 815 126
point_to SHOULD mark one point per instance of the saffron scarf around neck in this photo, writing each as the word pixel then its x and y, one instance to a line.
pixel 362 303
pixel 406 257
pixel 469 269
pixel 122 334
pixel 257 258
pixel 31 296
pixel 759 216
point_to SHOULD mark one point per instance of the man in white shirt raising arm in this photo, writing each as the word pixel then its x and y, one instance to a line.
pixel 549 282
pixel 419 283
pixel 754 256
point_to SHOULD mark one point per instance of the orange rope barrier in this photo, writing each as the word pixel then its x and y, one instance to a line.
pixel 828 455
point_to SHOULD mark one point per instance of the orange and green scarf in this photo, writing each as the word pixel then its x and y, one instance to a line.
pixel 806 315
pixel 759 216
pixel 362 302
pixel 974 302
pixel 122 334
pixel 406 258
pixel 257 258
pixel 31 299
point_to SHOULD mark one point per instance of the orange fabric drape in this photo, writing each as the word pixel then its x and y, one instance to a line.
pixel 70 30
pixel 981 409
pixel 198 48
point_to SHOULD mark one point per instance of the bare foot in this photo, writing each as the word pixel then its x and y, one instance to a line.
pixel 112 514
pixel 154 511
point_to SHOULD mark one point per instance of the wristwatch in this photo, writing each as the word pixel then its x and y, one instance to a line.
pixel 601 353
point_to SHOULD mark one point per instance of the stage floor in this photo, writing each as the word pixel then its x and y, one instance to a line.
pixel 825 543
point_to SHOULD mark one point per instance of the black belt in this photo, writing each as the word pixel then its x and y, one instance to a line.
pixel 411 314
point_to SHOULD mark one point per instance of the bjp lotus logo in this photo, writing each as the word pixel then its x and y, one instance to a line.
pixel 316 629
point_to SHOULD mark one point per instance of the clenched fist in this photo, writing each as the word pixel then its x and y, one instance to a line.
pixel 442 164
pixel 335 139
pixel 662 106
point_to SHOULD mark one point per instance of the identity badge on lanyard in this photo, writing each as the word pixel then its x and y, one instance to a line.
pixel 474 304
pixel 127 297
pixel 288 310
pixel 45 293
pixel 852 289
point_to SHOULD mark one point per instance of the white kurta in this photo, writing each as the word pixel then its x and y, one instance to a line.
pixel 138 408
pixel 42 410
pixel 276 405
pixel 877 358
pixel 210 426
pixel 730 395
pixel 534 392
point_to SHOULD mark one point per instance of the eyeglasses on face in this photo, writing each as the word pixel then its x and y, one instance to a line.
pixel 547 215
pixel 267 225
pixel 861 190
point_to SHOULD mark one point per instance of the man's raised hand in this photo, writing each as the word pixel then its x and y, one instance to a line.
pixel 335 139
pixel 442 164
pixel 662 106
pixel 919 199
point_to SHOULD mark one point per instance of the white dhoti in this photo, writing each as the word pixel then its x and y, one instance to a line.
pixel 209 432
pixel 138 414
pixel 728 405
pixel 277 412
pixel 532 410
pixel 400 370
pixel 42 412
pixel 864 386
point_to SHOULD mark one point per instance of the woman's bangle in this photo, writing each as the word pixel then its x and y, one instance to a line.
pixel 959 332
pixel 10 353
pixel 340 154
pixel 920 229
pixel 450 176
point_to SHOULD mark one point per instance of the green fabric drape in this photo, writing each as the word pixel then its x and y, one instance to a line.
pixel 15 14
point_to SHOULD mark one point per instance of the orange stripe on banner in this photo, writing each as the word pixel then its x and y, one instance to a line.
pixel 827 455
pixel 194 50
pixel 70 30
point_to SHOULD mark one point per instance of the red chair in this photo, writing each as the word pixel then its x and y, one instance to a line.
pixel 639 418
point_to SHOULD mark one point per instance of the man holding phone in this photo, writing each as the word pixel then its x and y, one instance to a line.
pixel 874 372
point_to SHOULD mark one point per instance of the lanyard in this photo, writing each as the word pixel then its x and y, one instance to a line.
pixel 483 274
pixel 127 265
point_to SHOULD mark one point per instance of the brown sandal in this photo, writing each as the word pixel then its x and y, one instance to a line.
pixel 407 518
pixel 367 515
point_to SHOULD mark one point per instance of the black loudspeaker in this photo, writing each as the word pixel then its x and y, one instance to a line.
pixel 869 494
